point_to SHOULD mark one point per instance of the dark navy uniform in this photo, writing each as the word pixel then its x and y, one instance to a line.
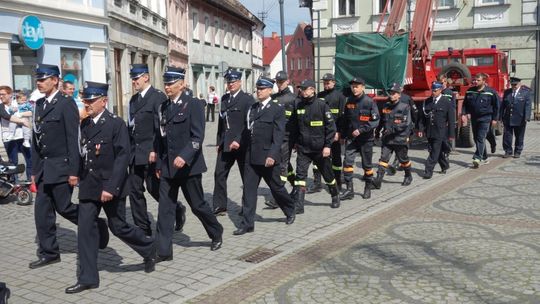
pixel 106 155
pixel 315 130
pixel 142 133
pixel 483 106
pixel 362 114
pixel 437 121
pixel 55 157
pixel 336 101
pixel 181 127
pixel 288 100
pixel 266 123
pixel 515 113
pixel 449 145
pixel 231 127
pixel 396 130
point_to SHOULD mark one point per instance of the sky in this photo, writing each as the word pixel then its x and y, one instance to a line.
pixel 293 14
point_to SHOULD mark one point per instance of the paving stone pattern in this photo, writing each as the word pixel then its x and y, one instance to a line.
pixel 449 250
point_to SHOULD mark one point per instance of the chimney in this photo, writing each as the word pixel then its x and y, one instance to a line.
pixel 274 35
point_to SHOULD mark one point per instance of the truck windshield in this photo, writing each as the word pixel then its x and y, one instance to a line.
pixel 480 61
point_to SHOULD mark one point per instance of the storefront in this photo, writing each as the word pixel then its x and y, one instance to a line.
pixel 76 44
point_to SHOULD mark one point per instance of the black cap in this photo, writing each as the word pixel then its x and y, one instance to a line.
pixel 282 76
pixel 93 90
pixel 137 70
pixel 265 82
pixel 46 70
pixel 395 87
pixel 173 74
pixel 328 76
pixel 514 80
pixel 306 83
pixel 358 80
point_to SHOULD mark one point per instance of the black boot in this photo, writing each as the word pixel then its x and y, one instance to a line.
pixel 367 190
pixel 339 181
pixel 316 186
pixel 299 201
pixel 349 192
pixel 408 177
pixel 378 180
pixel 335 196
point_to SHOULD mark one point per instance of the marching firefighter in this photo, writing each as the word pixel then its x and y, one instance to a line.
pixel 315 131
pixel 361 117
pixel 436 122
pixel 396 128
pixel 336 101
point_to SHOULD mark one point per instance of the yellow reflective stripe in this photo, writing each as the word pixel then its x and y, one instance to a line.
pixel 316 123
pixel 301 111
pixel 348 169
pixel 335 168
pixel 333 182
pixel 446 95
pixel 283 178
pixel 384 164
pixel 300 183
pixel 334 111
pixel 288 113
pixel 290 173
pixel 487 93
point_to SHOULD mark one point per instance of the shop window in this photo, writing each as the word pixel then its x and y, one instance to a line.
pixel 71 66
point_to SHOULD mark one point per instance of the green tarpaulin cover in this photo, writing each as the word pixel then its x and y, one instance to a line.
pixel 379 60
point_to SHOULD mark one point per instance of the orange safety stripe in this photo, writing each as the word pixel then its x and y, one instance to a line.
pixel 364 117
pixel 351 106
pixel 348 169
pixel 368 172
pixel 381 163
pixel 387 111
pixel 405 165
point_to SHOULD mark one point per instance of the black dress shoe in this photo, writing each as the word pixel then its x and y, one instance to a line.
pixel 218 211
pixel 243 230
pixel 517 155
pixel 271 204
pixel 427 175
pixel 507 155
pixel 150 264
pixel 160 258
pixel 80 287
pixel 290 219
pixel 103 233
pixel 216 244
pixel 43 262
pixel 443 171
pixel 180 218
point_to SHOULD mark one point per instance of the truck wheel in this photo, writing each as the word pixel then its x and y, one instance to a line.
pixel 457 72
pixel 465 139
pixel 24 197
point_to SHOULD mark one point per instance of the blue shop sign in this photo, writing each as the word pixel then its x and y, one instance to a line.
pixel 31 32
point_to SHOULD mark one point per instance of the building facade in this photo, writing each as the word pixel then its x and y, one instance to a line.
pixel 272 58
pixel 510 25
pixel 177 20
pixel 137 34
pixel 299 54
pixel 220 37
pixel 257 50
pixel 67 33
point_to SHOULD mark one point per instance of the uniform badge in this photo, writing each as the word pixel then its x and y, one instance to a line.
pixel 195 145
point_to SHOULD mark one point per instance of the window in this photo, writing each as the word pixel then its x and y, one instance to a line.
pixel 345 7
pixel 241 43
pixel 144 15
pixel 226 35
pixel 207 31
pixel 440 62
pixel 491 1
pixel 154 20
pixel 71 66
pixel 217 36
pixel 118 3
pixel 447 3
pixel 299 64
pixel 480 61
pixel 307 63
pixel 291 67
pixel 195 26
pixel 382 4
pixel 233 34
pixel 132 8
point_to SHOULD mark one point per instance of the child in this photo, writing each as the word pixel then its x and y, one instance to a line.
pixel 22 106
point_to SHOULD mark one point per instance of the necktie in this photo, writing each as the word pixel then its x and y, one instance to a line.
pixel 514 94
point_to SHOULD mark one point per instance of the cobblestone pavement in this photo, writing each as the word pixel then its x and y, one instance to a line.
pixel 467 236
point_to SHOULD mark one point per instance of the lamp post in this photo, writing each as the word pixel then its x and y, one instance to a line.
pixel 282 22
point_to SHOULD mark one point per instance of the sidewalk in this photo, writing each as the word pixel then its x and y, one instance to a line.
pixel 197 274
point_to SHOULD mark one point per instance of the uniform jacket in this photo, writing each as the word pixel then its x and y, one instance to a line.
pixel 267 129
pixel 55 144
pixel 232 120
pixel 142 113
pixel 336 101
pixel 362 114
pixel 438 120
pixel 481 105
pixel 106 153
pixel 414 109
pixel 396 123
pixel 288 100
pixel 181 133
pixel 448 93
pixel 314 124
pixel 516 110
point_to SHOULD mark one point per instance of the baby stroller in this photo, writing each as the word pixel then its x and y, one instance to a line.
pixel 8 186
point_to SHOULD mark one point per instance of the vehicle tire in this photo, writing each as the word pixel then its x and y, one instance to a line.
pixel 461 71
pixel 465 139
pixel 499 128
pixel 24 197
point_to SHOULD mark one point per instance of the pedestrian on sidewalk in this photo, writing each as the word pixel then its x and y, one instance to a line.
pixel 105 151
pixel 481 108
pixel 211 101
pixel 266 124
pixel 515 113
